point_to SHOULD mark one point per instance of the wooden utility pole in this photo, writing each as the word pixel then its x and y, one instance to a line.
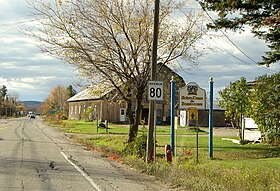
pixel 149 155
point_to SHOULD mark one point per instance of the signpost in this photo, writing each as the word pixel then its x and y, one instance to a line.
pixel 183 118
pixel 153 77
pixel 193 116
pixel 192 98
pixel 211 118
pixel 155 93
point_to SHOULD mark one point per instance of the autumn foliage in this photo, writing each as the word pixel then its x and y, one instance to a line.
pixel 56 103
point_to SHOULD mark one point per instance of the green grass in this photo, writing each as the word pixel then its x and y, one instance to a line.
pixel 234 167
pixel 83 127
pixel 115 143
pixel 74 126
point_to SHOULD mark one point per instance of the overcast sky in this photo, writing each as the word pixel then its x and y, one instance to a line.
pixel 25 70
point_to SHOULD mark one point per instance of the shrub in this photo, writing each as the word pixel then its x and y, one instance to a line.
pixel 88 114
pixel 273 136
pixel 244 142
pixel 137 147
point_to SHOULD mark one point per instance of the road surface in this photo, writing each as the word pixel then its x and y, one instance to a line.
pixel 35 157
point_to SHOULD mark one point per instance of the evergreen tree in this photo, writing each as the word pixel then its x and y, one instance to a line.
pixel 262 15
pixel 3 92
pixel 71 91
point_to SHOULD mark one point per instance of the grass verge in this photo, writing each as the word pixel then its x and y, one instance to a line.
pixel 235 167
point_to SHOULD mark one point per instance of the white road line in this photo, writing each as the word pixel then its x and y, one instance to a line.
pixel 82 173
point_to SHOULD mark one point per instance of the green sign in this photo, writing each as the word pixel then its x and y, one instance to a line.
pixel 52 112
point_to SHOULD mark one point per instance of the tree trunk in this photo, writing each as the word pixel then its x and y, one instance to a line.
pixel 133 130
pixel 239 126
pixel 232 124
pixel 242 126
pixel 130 116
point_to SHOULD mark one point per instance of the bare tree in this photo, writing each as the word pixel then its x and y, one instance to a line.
pixel 110 42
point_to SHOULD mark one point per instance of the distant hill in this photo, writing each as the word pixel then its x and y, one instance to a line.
pixel 32 105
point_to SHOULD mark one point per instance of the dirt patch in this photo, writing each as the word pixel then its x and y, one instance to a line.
pixel 222 131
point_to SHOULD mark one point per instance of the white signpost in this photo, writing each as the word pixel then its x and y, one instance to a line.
pixel 192 96
pixel 183 118
pixel 155 90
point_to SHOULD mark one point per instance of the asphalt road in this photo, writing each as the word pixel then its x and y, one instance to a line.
pixel 35 157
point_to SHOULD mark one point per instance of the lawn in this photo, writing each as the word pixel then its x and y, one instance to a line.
pixel 234 166
pixel 76 126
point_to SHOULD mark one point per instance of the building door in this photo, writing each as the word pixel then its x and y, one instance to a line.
pixel 145 115
pixel 122 114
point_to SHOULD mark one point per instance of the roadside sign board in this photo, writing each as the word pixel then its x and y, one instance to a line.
pixel 176 123
pixel 192 96
pixel 52 111
pixel 183 118
pixel 192 113
pixel 155 90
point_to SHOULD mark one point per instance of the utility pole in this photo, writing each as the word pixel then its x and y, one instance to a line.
pixel 149 154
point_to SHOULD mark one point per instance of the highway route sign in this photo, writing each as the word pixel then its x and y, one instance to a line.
pixel 155 90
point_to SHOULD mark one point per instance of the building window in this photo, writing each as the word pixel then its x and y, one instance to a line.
pixel 72 109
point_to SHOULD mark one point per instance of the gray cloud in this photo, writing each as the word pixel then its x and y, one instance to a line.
pixel 223 65
pixel 14 10
pixel 23 67
pixel 27 71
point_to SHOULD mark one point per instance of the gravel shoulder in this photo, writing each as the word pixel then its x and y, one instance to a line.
pixel 222 131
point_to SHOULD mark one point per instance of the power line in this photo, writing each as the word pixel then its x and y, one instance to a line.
pixel 17 22
pixel 235 44
pixel 228 37
pixel 3 32
pixel 224 50
pixel 241 60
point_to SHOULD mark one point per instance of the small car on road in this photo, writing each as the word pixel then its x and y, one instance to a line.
pixel 32 116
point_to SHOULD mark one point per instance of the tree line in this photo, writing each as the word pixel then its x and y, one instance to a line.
pixel 259 100
pixel 56 105
pixel 9 105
